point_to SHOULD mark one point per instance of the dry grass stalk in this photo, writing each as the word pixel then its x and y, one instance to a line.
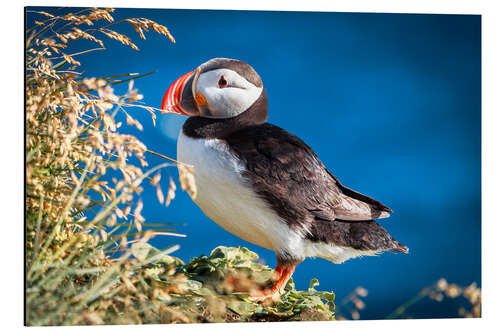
pixel 438 292
pixel 83 183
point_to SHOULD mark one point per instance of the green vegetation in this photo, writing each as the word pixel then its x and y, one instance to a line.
pixel 204 296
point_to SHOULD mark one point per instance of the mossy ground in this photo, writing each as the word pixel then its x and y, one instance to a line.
pixel 205 284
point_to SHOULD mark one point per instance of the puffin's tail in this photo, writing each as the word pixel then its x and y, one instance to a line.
pixel 400 248
pixel 359 235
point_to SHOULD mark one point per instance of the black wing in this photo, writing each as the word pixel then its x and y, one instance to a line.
pixel 290 177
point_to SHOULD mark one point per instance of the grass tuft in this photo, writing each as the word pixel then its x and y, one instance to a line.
pixel 84 178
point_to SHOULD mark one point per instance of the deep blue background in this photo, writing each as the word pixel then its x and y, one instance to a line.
pixel 391 103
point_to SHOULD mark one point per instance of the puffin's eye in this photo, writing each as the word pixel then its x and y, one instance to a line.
pixel 222 82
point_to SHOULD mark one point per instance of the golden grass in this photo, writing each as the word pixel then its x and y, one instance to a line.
pixel 84 179
pixel 438 292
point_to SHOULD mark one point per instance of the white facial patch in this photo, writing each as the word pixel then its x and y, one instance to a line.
pixel 229 101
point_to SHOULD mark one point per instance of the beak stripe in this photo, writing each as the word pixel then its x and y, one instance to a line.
pixel 172 99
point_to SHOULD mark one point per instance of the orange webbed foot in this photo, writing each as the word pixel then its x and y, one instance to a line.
pixel 256 292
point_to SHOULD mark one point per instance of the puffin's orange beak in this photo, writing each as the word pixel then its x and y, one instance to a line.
pixel 171 102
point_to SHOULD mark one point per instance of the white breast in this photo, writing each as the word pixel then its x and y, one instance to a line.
pixel 227 199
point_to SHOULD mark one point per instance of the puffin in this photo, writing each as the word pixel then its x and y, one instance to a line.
pixel 263 183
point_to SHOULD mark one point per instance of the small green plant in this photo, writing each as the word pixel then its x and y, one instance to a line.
pixel 210 273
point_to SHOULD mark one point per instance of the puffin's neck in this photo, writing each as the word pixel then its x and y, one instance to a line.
pixel 218 128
